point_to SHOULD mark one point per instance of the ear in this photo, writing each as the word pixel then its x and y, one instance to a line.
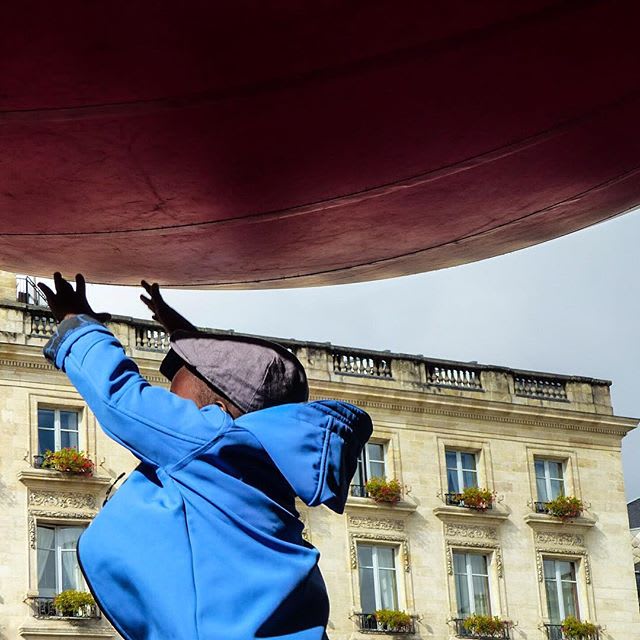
pixel 222 405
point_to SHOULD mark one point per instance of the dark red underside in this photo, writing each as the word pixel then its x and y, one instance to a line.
pixel 261 144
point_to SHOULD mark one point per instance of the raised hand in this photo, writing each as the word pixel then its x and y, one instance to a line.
pixel 67 302
pixel 167 316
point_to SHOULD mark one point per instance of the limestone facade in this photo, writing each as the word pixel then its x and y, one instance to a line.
pixel 424 412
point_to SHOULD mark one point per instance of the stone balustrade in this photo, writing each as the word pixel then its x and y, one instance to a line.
pixel 146 340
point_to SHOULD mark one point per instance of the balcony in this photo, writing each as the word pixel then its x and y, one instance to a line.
pixel 358 491
pixel 503 634
pixel 367 623
pixel 43 608
pixel 456 500
pixel 354 363
pixel 554 632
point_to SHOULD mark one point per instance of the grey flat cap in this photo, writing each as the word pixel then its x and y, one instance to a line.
pixel 253 373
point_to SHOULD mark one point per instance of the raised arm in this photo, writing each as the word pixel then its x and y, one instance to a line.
pixel 156 425
pixel 166 315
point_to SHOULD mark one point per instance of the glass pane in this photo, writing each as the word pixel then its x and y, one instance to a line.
pixel 365 555
pixel 68 537
pixel 46 419
pixel 462 596
pixel 46 441
pixel 69 420
pixel 69 439
pixel 375 452
pixel 555 470
pixel 460 563
pixel 367 593
pixel 386 557
pixel 46 572
pixel 553 606
pixel 451 459
pixel 557 488
pixel 541 487
pixel 388 590
pixel 470 478
pixel 70 571
pixel 478 564
pixel 452 481
pixel 468 461
pixel 567 570
pixel 539 466
pixel 549 569
pixel 569 599
pixel 358 478
pixel 377 469
pixel 481 595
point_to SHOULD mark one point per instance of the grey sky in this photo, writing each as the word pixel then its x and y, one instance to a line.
pixel 567 306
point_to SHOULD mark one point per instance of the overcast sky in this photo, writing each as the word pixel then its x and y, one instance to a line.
pixel 567 306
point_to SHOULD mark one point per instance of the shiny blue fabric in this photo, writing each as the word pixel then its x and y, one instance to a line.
pixel 203 541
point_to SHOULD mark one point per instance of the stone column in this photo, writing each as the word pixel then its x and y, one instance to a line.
pixel 7 286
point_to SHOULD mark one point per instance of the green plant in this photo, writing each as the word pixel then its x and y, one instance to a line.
pixel 72 602
pixel 485 626
pixel 382 490
pixel 574 629
pixel 392 620
pixel 476 498
pixel 68 460
pixel 565 507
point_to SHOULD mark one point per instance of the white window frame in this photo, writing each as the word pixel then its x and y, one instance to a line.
pixel 548 478
pixel 58 551
pixel 469 576
pixel 459 468
pixel 57 429
pixel 364 462
pixel 558 583
pixel 376 575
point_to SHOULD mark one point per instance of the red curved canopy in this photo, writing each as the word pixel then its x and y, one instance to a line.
pixel 261 144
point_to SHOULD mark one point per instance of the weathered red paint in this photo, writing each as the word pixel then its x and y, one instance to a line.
pixel 262 144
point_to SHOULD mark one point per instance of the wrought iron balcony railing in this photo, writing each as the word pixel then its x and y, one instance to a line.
pixel 359 491
pixel 367 623
pixel 44 608
pixel 502 634
pixel 554 632
pixel 456 500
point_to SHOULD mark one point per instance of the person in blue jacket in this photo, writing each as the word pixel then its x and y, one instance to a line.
pixel 203 540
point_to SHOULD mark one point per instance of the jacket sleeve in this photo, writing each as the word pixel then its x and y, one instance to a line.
pixel 157 426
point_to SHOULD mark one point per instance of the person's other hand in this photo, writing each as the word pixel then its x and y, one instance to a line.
pixel 161 312
pixel 67 302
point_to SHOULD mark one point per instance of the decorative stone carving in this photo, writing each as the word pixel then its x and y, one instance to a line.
pixel 468 531
pixel 64 500
pixel 382 537
pixel 563 544
pixel 364 522
pixel 553 538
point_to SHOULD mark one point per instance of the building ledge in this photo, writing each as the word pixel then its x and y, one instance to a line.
pixel 80 630
pixel 45 477
pixel 404 507
pixel 544 519
pixel 450 513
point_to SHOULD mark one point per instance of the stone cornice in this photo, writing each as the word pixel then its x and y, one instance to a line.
pixel 396 401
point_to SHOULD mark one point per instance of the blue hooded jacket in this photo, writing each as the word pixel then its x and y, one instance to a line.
pixel 203 541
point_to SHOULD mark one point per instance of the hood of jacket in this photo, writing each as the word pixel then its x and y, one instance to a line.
pixel 315 446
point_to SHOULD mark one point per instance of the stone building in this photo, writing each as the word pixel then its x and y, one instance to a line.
pixel 439 428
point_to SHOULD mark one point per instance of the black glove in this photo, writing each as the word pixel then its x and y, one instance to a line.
pixel 65 301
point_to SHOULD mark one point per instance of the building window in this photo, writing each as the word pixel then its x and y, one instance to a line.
pixel 461 470
pixel 561 588
pixel 57 429
pixel 471 575
pixel 371 464
pixel 378 577
pixel 637 568
pixel 549 479
pixel 58 568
